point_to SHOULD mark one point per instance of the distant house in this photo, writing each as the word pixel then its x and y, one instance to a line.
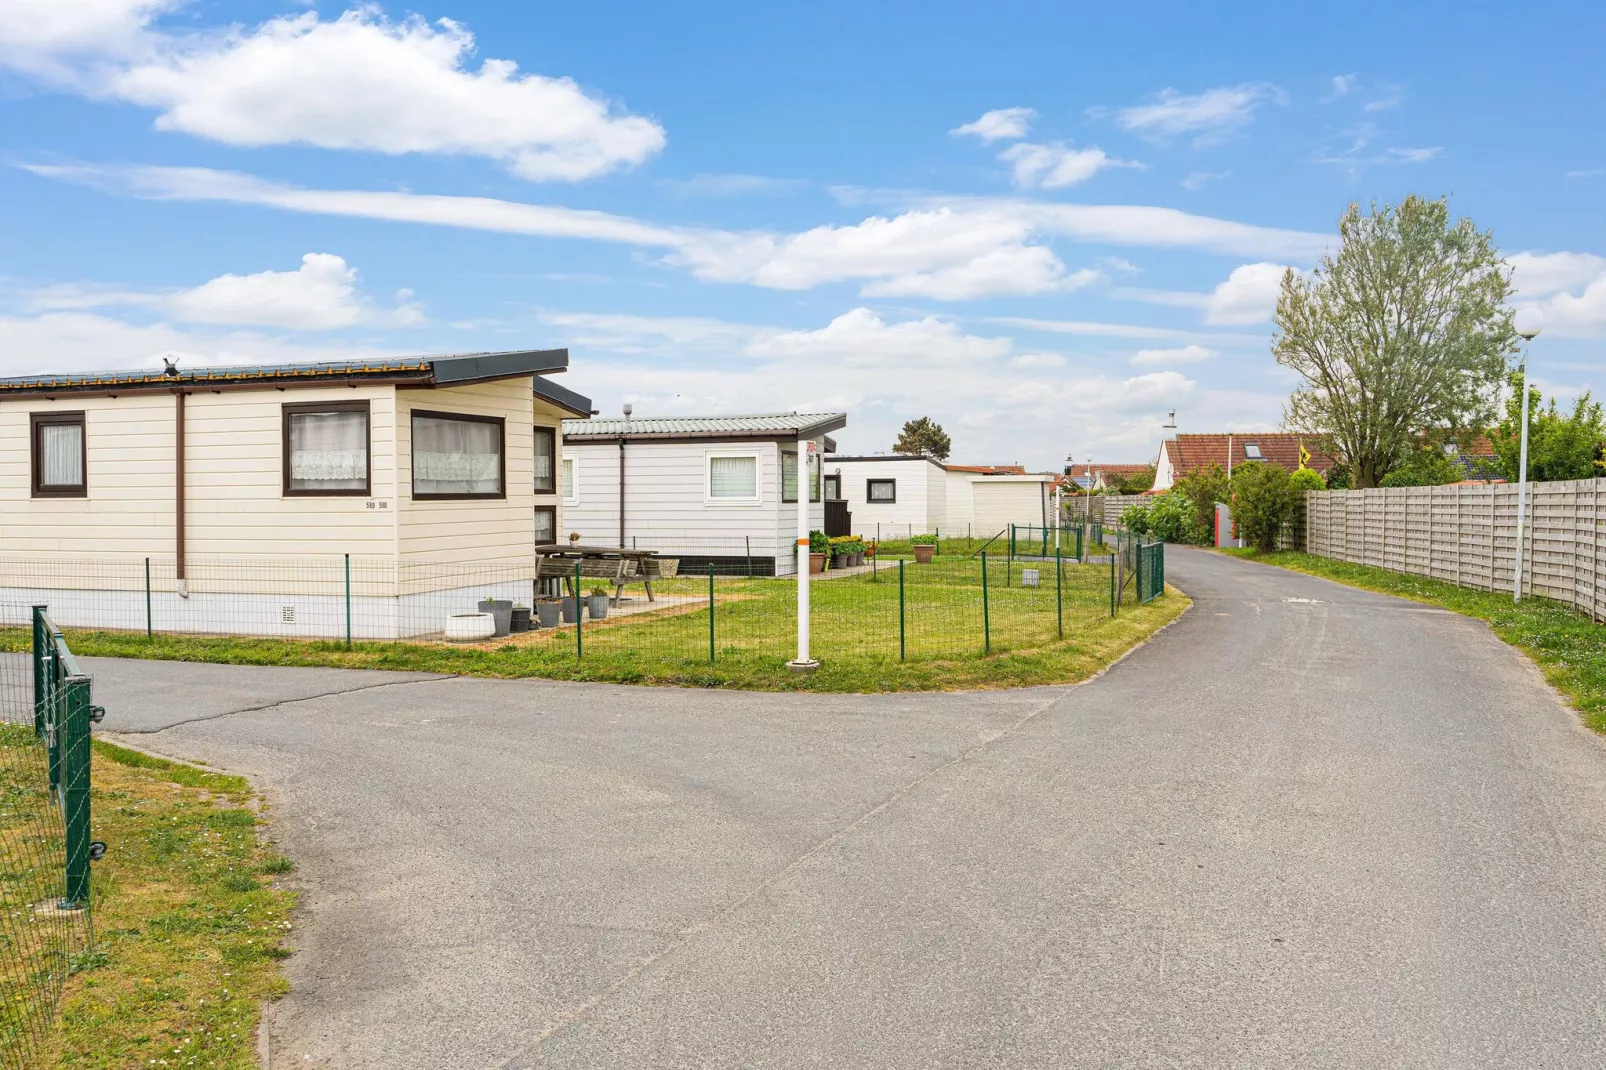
pixel 1097 477
pixel 281 499
pixel 896 495
pixel 716 490
pixel 1186 454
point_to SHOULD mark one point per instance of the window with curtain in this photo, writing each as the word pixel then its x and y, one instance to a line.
pixel 58 455
pixel 881 490
pixel 326 448
pixel 789 476
pixel 456 456
pixel 571 490
pixel 546 525
pixel 733 477
pixel 546 445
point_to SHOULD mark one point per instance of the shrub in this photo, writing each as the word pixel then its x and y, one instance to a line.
pixel 1427 467
pixel 1136 519
pixel 1172 519
pixel 1262 502
pixel 819 543
pixel 923 540
pixel 1305 479
pixel 1203 489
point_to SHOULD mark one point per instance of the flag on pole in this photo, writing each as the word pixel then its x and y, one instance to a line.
pixel 1304 454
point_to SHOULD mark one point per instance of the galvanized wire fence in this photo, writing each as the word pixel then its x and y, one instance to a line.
pixel 45 848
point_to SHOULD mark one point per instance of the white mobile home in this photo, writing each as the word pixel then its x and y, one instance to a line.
pixel 375 496
pixel 718 490
pixel 984 500
pixel 889 495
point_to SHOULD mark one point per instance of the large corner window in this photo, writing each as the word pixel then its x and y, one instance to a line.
pixel 881 490
pixel 58 455
pixel 458 456
pixel 326 449
pixel 733 479
pixel 546 448
pixel 789 476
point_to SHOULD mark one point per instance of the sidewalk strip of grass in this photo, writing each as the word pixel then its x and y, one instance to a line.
pixel 1568 647
pixel 189 925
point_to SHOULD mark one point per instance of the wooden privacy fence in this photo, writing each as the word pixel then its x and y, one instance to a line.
pixel 1467 535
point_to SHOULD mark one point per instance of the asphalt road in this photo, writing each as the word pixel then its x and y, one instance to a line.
pixel 1306 826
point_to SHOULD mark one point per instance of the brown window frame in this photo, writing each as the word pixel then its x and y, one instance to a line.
pixel 556 458
pixel 300 408
pixel 870 500
pixel 501 450
pixel 553 509
pixel 36 420
pixel 825 483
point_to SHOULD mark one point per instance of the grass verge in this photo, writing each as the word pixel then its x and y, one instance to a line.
pixel 1568 647
pixel 188 922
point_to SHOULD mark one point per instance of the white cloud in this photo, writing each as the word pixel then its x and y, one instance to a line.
pixel 998 125
pixel 320 295
pixel 1248 295
pixel 1092 329
pixel 1037 360
pixel 1549 281
pixel 1342 84
pixel 1211 116
pixel 1197 180
pixel 734 185
pixel 861 337
pixel 1056 166
pixel 1594 172
pixel 954 249
pixel 46 38
pixel 1189 354
pixel 358 82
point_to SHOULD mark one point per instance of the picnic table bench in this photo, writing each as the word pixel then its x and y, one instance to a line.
pixel 614 564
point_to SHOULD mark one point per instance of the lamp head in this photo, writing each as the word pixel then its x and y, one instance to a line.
pixel 1528 322
pixel 629 408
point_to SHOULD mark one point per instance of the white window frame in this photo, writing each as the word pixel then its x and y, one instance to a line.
pixel 573 495
pixel 733 503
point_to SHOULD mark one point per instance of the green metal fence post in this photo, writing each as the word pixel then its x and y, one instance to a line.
pixel 149 627
pixel 1114 552
pixel 73 730
pixel 579 616
pixel 986 620
pixel 1138 570
pixel 710 613
pixel 1059 593
pixel 902 648
pixel 41 683
pixel 348 601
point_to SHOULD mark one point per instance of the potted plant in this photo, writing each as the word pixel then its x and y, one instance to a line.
pixel 925 547
pixel 597 602
pixel 521 618
pixel 501 609
pixel 858 551
pixel 819 548
pixel 546 612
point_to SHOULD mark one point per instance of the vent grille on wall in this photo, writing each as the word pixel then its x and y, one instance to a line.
pixel 287 614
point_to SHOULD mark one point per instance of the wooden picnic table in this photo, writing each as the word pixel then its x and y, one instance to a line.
pixel 617 564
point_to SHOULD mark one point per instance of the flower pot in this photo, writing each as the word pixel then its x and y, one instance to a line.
pixel 546 614
pixel 924 552
pixel 571 610
pixel 501 610
pixel 597 606
pixel 470 627
pixel 858 559
pixel 816 564
pixel 520 621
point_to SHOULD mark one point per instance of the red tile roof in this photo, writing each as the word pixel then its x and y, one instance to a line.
pixel 1080 471
pixel 1189 453
pixel 989 469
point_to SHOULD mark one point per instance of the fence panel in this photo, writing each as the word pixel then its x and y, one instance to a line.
pixel 1467 535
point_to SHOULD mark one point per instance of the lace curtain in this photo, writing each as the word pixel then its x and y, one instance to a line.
pixel 328 451
pixel 733 477
pixel 456 456
pixel 61 448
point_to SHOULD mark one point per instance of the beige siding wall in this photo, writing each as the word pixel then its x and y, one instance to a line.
pixel 1001 501
pixel 462 532
pixel 234 474
pixel 129 461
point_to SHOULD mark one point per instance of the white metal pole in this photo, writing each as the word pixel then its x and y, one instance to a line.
pixel 804 448
pixel 1522 483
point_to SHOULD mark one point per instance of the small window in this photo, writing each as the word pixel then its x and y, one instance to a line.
pixel 881 490
pixel 457 456
pixel 569 480
pixel 326 448
pixel 789 476
pixel 733 478
pixel 546 525
pixel 546 449
pixel 58 455
pixel 1252 451
pixel 833 488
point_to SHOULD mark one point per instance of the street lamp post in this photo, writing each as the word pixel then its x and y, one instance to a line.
pixel 1527 322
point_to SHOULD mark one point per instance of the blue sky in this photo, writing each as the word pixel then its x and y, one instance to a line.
pixel 1043 227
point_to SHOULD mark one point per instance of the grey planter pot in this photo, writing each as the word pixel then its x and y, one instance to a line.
pixel 546 614
pixel 520 621
pixel 571 610
pixel 502 610
pixel 597 606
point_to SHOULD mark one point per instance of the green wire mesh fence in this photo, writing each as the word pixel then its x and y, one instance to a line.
pixel 45 849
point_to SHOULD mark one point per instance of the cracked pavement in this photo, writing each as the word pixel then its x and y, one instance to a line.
pixel 1305 826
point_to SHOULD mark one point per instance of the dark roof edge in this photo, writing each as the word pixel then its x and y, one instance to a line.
pixel 562 397
pixel 814 430
pixel 484 367
pixel 893 457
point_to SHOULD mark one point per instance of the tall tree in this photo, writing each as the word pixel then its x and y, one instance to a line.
pixel 1405 329
pixel 1559 446
pixel 923 438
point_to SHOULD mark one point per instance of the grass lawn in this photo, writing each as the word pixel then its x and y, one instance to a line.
pixel 188 923
pixel 1566 645
pixel 952 637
